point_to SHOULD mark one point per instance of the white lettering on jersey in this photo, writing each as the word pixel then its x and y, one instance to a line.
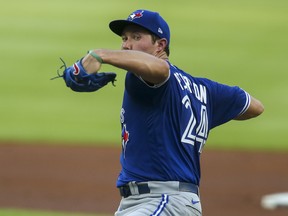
pixel 200 93
pixel 200 136
pixel 202 129
pixel 122 116
pixel 125 132
pixel 190 134
pixel 193 88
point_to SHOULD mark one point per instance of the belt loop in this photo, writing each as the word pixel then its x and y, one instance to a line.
pixel 133 188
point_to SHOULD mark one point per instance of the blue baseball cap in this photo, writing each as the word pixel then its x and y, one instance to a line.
pixel 149 20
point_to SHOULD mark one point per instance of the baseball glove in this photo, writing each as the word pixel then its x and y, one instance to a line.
pixel 78 80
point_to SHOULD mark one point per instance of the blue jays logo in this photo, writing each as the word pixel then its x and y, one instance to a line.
pixel 135 15
pixel 76 69
pixel 125 138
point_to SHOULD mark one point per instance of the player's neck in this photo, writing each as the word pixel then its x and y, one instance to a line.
pixel 162 55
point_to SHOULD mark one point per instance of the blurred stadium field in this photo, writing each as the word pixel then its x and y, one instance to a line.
pixel 236 42
pixel 19 212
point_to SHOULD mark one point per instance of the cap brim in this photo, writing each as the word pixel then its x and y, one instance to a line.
pixel 117 26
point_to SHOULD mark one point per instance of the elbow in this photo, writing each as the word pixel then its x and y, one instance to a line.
pixel 256 108
pixel 260 109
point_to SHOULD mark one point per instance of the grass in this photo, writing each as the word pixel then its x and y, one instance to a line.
pixel 235 42
pixel 21 212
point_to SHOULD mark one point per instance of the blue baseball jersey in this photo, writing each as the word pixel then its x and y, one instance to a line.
pixel 165 127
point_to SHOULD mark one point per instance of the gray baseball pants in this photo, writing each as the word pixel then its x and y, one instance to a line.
pixel 164 199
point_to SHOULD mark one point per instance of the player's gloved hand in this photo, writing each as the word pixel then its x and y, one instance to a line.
pixel 79 80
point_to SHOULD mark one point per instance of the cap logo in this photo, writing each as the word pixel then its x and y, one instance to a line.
pixel 160 31
pixel 135 15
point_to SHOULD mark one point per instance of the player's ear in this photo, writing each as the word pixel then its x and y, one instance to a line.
pixel 161 44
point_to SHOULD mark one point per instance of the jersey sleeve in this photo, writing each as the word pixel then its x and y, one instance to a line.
pixel 227 103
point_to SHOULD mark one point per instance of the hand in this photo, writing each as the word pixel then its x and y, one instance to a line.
pixel 91 64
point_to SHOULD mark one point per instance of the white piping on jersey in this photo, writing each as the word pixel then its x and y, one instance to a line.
pixel 247 104
pixel 155 85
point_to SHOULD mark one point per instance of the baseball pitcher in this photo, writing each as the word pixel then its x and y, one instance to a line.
pixel 165 117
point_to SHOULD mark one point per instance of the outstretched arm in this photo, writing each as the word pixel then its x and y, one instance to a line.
pixel 152 69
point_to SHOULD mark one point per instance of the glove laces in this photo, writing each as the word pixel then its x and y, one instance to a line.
pixel 58 73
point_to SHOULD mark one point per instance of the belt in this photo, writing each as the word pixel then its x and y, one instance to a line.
pixel 134 188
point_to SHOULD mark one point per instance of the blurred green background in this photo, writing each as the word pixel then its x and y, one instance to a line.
pixel 19 212
pixel 235 42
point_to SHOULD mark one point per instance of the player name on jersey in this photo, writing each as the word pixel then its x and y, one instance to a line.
pixel 193 88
